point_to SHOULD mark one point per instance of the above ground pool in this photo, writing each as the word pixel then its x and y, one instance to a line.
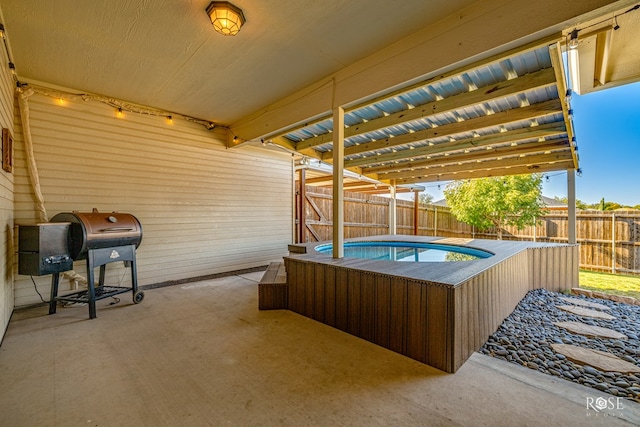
pixel 407 251
pixel 438 313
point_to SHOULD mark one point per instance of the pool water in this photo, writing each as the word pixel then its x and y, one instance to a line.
pixel 407 251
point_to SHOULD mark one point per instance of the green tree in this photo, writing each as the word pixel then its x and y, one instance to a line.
pixel 499 201
pixel 424 198
pixel 608 206
pixel 579 203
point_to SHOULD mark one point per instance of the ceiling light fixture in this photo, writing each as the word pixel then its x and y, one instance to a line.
pixel 226 18
pixel 574 67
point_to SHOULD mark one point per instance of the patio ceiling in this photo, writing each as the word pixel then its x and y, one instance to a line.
pixel 502 116
pixel 297 58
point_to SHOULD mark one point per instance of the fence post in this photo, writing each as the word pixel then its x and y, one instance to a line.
pixel 613 242
pixel 416 212
pixel 302 220
pixel 392 211
pixel 435 220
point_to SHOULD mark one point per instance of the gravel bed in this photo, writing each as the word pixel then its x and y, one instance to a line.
pixel 525 338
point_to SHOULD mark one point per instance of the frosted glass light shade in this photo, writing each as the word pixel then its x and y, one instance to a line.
pixel 226 18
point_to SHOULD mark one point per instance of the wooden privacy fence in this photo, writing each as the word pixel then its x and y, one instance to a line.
pixel 609 241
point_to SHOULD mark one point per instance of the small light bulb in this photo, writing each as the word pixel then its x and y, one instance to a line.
pixel 573 40
pixel 119 113
pixel 567 97
pixel 169 120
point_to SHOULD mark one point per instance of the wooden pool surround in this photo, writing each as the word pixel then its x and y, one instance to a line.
pixel 438 313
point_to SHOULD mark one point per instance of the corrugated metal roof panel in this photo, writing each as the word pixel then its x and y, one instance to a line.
pixel 383 150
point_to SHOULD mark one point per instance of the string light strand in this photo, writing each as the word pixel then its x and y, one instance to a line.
pixel 119 105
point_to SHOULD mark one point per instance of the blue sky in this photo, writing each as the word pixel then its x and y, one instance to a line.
pixel 607 129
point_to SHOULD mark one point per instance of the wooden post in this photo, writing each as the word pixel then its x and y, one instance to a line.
pixel 571 192
pixel 613 242
pixel 435 220
pixel 302 220
pixel 416 212
pixel 338 182
pixel 392 211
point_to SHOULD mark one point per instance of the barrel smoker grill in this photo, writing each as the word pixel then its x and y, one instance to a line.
pixel 100 238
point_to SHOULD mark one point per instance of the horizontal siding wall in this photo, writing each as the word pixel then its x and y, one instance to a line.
pixel 6 200
pixel 204 209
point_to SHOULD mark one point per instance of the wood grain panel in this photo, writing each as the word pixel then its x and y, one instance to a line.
pixel 342 299
pixel 353 302
pixel 416 345
pixel 303 283
pixel 383 307
pixel 398 316
pixel 368 307
pixel 319 293
pixel 330 296
pixel 309 289
pixel 440 325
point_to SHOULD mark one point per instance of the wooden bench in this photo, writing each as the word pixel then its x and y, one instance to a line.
pixel 273 291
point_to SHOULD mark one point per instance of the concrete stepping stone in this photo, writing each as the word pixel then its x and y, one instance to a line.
pixel 577 301
pixel 590 331
pixel 598 359
pixel 581 311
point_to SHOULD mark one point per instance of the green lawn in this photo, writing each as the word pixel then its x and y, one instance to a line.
pixel 616 284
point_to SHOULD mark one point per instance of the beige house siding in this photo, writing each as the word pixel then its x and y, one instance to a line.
pixel 6 201
pixel 204 209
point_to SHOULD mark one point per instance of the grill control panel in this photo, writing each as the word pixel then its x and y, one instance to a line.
pixel 58 259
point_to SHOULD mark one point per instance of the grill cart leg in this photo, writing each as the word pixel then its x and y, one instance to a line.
pixel 103 269
pixel 138 296
pixel 55 281
pixel 91 291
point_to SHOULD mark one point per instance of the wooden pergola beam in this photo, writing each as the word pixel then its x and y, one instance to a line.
pixel 530 112
pixel 538 79
pixel 555 52
pixel 519 170
pixel 320 179
pixel 513 136
pixel 426 174
pixel 494 59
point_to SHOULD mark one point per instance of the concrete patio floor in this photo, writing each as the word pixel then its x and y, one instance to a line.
pixel 202 354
